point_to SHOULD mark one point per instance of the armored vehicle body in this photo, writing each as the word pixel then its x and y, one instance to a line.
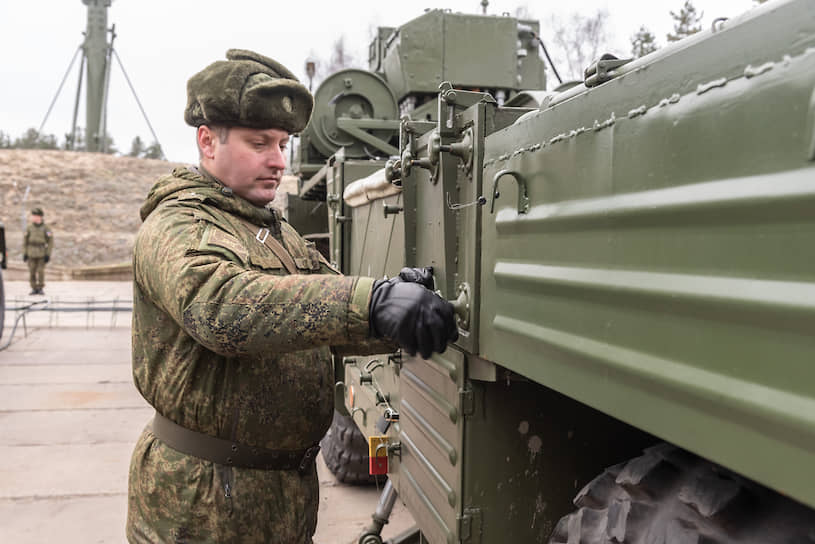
pixel 632 268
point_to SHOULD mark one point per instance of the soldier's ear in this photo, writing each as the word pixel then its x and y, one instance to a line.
pixel 207 141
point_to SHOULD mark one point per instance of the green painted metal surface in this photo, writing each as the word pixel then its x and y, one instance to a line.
pixel 341 220
pixel 356 95
pixel 441 46
pixel 643 272
pixel 431 428
pixel 358 111
pixel 664 273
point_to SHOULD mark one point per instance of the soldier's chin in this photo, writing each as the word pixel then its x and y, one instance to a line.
pixel 264 198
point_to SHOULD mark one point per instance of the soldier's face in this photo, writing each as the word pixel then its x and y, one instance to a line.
pixel 249 161
pixel 36 219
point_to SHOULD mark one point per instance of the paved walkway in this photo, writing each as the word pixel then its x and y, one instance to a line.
pixel 70 416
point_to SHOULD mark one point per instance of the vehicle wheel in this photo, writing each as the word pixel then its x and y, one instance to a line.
pixel 345 451
pixel 670 496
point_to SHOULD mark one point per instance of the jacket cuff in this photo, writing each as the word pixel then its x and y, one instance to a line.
pixel 358 307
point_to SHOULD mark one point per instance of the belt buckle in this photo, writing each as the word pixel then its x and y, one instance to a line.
pixel 308 458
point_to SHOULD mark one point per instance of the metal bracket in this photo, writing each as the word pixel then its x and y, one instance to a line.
pixel 467 400
pixel 601 70
pixel 389 209
pixel 462 149
pixel 523 195
pixel 364 415
pixel 469 526
pixel 355 127
pixel 461 306
pixel 393 171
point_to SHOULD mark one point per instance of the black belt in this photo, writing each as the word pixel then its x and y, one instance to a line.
pixel 229 453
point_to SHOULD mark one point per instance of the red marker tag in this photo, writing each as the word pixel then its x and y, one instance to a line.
pixel 378 455
pixel 377 465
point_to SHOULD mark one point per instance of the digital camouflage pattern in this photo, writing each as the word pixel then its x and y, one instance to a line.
pixel 38 242
pixel 226 343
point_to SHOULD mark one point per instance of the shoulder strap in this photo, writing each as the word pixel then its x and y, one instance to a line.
pixel 263 235
pixel 328 264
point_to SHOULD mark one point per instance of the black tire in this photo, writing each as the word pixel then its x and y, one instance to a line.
pixel 670 496
pixel 345 451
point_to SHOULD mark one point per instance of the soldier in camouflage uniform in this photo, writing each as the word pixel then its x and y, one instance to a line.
pixel 234 323
pixel 38 242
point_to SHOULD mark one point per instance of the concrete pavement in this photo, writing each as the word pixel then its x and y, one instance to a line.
pixel 70 416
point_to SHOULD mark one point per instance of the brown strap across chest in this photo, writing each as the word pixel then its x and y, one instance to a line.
pixel 264 236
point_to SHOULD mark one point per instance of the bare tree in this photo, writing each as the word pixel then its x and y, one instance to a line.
pixel 643 42
pixel 339 59
pixel 686 22
pixel 579 40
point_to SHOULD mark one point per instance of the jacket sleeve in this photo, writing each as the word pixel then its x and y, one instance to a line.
pixel 233 309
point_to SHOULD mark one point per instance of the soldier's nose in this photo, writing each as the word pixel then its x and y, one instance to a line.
pixel 276 159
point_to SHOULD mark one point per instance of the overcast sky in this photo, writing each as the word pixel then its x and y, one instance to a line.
pixel 163 42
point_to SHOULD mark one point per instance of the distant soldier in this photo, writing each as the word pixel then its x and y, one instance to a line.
pixel 235 317
pixel 37 245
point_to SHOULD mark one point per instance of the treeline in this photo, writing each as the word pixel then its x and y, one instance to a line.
pixel 687 21
pixel 34 139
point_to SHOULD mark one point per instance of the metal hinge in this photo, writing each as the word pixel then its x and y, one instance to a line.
pixel 602 70
pixel 467 401
pixel 469 526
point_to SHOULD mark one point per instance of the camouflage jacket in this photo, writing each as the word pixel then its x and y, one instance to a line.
pixel 227 343
pixel 38 241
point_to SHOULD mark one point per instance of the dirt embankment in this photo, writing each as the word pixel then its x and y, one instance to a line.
pixel 91 201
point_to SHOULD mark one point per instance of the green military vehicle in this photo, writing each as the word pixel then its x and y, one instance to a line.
pixel 631 261
pixel 355 129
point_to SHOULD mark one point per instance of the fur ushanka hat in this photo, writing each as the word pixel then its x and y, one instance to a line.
pixel 248 90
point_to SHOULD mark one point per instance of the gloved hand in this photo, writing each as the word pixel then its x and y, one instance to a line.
pixel 422 276
pixel 413 316
pixel 25 257
pixel 46 258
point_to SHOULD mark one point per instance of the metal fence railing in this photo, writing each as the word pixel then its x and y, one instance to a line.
pixel 54 308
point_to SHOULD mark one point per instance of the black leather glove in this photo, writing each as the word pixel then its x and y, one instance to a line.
pixel 422 276
pixel 25 257
pixel 46 258
pixel 413 316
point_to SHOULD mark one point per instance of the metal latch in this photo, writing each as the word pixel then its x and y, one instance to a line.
pixel 469 526
pixel 601 70
pixel 461 306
